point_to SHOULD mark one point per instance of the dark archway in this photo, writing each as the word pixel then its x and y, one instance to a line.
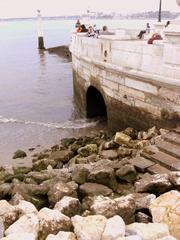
pixel 96 106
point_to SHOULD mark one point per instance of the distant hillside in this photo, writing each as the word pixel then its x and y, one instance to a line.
pixel 153 15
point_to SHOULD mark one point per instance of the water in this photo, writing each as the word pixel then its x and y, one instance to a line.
pixel 36 92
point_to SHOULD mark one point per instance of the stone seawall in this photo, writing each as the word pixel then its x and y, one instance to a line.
pixel 133 96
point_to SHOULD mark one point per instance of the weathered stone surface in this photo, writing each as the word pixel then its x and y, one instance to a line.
pixel 174 177
pixel 143 200
pixel 109 154
pixel 110 145
pixel 39 177
pixel 5 189
pixel 26 224
pixel 122 138
pixel 8 213
pixel 94 189
pixel 142 217
pixel 61 156
pixel 62 236
pixel 43 164
pixel 127 173
pixel 150 231
pixel 165 209
pixel 88 150
pixel 1 228
pixel 123 206
pixel 51 222
pixel 69 206
pixel 19 154
pixel 114 229
pixel 124 152
pixel 157 184
pixel 20 236
pixel 80 173
pixel 90 227
pixel 25 208
pixel 104 175
pixel 58 191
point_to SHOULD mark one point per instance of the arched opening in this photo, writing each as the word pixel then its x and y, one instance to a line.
pixel 95 104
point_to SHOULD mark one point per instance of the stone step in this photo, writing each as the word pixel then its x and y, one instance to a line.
pixel 166 160
pixel 169 148
pixel 156 168
pixel 141 164
pixel 172 137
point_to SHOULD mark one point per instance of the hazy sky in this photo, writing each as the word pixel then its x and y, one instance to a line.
pixel 27 8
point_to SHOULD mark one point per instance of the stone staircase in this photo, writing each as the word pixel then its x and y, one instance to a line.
pixel 163 157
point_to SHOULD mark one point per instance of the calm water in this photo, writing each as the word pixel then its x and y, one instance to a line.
pixel 36 94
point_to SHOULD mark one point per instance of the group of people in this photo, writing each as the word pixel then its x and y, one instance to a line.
pixel 91 31
pixel 155 36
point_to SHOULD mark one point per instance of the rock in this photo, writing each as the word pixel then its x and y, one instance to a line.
pixel 126 208
pixel 109 154
pixel 26 224
pixel 165 209
pixel 25 208
pixel 20 236
pixel 131 132
pixel 62 236
pixel 43 164
pixel 88 150
pixel 61 156
pixel 110 145
pixel 142 218
pixel 58 191
pixel 39 177
pixel 69 206
pixel 122 206
pixel 1 227
pixel 143 200
pixel 5 189
pixel 114 229
pixel 15 200
pixel 103 175
pixel 80 173
pixel 51 222
pixel 149 231
pixel 8 213
pixel 127 173
pixel 21 170
pixel 19 154
pixel 61 175
pixel 122 138
pixel 157 184
pixel 94 189
pixel 124 152
pixel 152 132
pixel 89 228
pixel 174 178
pixel 66 142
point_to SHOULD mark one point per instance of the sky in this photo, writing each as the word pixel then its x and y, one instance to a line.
pixel 27 8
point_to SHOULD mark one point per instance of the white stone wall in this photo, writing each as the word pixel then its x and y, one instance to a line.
pixel 133 72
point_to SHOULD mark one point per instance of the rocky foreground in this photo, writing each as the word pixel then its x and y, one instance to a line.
pixel 89 189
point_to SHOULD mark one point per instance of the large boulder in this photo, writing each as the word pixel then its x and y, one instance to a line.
pixel 51 222
pixel 165 209
pixel 157 184
pixel 26 224
pixel 94 189
pixel 174 178
pixel 88 150
pixel 109 154
pixel 149 231
pixel 104 175
pixel 5 190
pixel 143 200
pixel 20 236
pixel 69 206
pixel 58 191
pixel 62 236
pixel 25 208
pixel 115 228
pixel 122 138
pixel 127 173
pixel 80 173
pixel 8 213
pixel 43 164
pixel 19 154
pixel 90 227
pixel 61 156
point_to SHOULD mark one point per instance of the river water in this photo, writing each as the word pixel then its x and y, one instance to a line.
pixel 36 90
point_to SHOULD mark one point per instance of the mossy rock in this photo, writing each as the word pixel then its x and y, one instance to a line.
pixel 19 154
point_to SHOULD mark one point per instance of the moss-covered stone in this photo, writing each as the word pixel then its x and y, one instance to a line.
pixel 19 154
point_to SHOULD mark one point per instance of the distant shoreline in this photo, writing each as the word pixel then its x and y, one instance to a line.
pixel 139 16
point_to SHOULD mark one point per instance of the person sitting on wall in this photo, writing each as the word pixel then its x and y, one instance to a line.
pixel 142 32
pixel 83 28
pixel 105 31
pixel 91 32
pixel 78 24
pixel 155 36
